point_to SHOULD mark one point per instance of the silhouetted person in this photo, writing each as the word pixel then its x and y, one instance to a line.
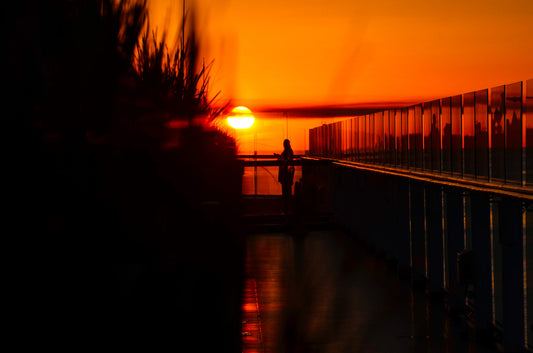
pixel 286 173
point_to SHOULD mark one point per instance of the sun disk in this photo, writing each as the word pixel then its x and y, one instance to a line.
pixel 241 118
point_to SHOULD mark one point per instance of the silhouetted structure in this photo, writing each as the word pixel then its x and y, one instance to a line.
pixel 110 209
pixel 458 220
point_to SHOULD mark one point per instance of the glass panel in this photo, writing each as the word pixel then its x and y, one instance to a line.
pixel 349 139
pixel 355 136
pixel 392 137
pixel 412 136
pixel 372 138
pixel 367 139
pixel 315 142
pixel 322 140
pixel 310 137
pixel 386 142
pixel 405 138
pixel 528 116
pixel 344 139
pixel 426 129
pixel 327 143
pixel 469 141
pixel 398 128
pixel 351 147
pixel 513 132
pixel 330 141
pixel 497 140
pixel 457 149
pixel 446 133
pixel 318 141
pixel 334 140
pixel 378 133
pixel 338 141
pixel 482 134
pixel 362 139
pixel 353 139
pixel 419 144
pixel 326 140
pixel 435 136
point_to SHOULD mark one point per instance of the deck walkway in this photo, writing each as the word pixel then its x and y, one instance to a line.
pixel 325 292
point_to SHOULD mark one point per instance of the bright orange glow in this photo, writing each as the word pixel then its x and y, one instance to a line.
pixel 241 118
pixel 241 110
pixel 270 129
pixel 247 307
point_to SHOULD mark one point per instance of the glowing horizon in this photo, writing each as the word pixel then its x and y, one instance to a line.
pixel 300 54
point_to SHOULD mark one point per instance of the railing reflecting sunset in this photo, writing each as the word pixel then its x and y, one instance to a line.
pixel 485 135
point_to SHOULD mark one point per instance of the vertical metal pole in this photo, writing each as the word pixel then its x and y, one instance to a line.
pixel 511 235
pixel 455 244
pixel 481 244
pixel 287 125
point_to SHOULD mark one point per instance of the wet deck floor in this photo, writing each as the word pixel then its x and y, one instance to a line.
pixel 324 293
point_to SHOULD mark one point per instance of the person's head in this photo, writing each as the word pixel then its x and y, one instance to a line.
pixel 287 144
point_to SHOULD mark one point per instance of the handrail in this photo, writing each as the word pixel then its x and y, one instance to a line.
pixel 264 156
pixel 521 192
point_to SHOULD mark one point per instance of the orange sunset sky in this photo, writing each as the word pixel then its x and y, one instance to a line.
pixel 290 53
pixel 315 52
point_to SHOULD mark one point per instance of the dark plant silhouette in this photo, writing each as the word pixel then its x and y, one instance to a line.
pixel 119 219
pixel 171 74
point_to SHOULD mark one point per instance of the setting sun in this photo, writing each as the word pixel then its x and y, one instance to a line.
pixel 241 118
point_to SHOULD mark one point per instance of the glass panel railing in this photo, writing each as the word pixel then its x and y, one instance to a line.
pixel 513 133
pixel 427 135
pixel 418 140
pixel 497 140
pixel 446 134
pixel 378 137
pixel 469 136
pixel 457 131
pixel 528 116
pixel 412 136
pixel 405 138
pixel 486 135
pixel 386 138
pixel 482 134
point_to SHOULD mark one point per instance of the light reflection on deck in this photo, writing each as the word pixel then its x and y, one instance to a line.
pixel 324 293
